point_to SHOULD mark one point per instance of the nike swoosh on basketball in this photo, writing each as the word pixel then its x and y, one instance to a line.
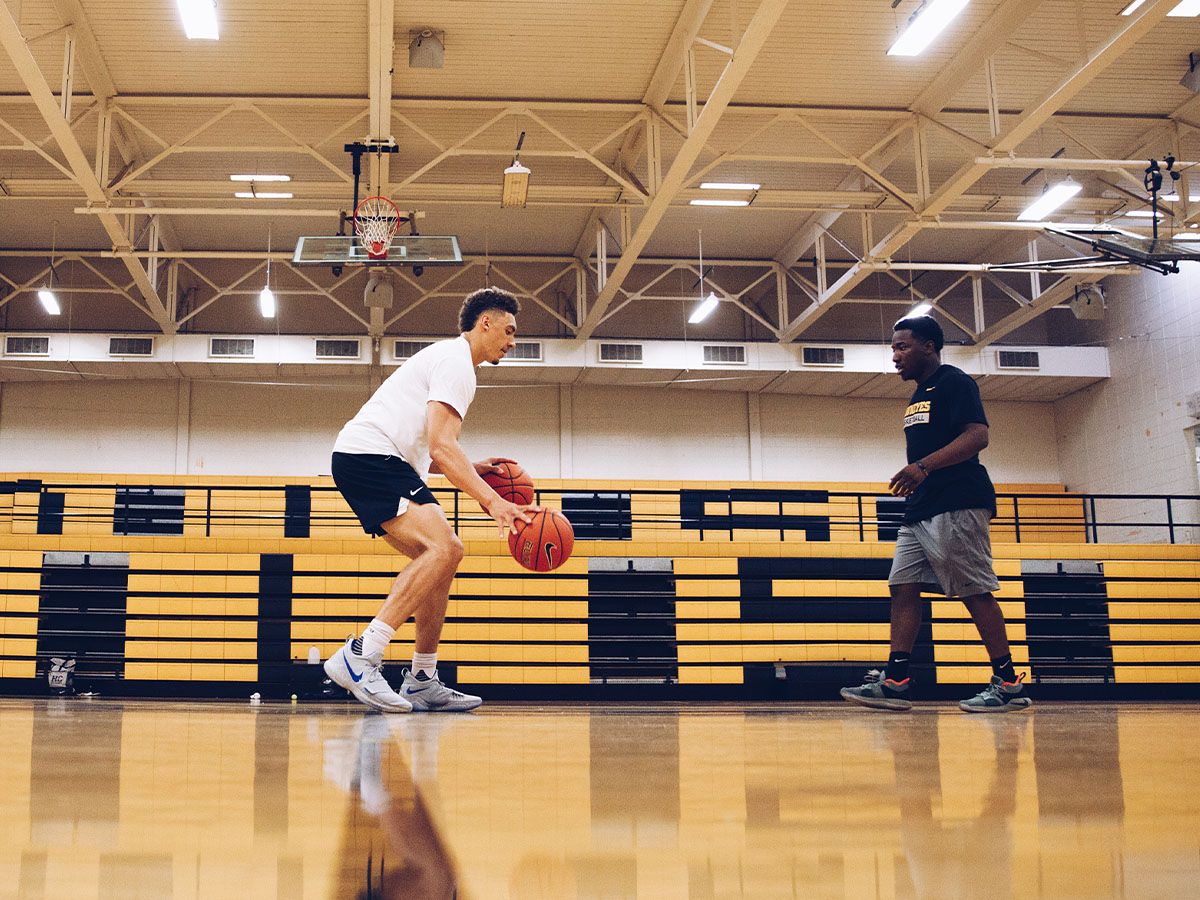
pixel 357 678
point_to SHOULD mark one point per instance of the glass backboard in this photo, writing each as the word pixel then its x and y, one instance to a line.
pixel 406 250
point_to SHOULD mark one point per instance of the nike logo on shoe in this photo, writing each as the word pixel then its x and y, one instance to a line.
pixel 409 690
pixel 356 678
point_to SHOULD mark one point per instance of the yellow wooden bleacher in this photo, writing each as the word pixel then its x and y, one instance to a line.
pixel 195 610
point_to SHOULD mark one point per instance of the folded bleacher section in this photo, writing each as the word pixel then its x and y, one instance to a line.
pixel 168 586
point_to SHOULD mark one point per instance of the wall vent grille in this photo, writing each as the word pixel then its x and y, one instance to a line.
pixel 26 345
pixel 824 356
pixel 226 347
pixel 624 353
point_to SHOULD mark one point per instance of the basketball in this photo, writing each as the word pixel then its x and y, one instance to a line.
pixel 545 543
pixel 514 485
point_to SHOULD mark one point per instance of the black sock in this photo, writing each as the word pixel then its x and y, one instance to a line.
pixel 1003 667
pixel 897 666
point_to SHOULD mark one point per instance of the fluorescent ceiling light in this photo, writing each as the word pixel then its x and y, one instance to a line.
pixel 1143 214
pixel 199 19
pixel 266 303
pixel 1174 198
pixel 728 186
pixel 49 301
pixel 705 309
pixel 920 309
pixel 719 202
pixel 263 195
pixel 515 192
pixel 1185 8
pixel 260 177
pixel 928 23
pixel 1050 200
pixel 1187 237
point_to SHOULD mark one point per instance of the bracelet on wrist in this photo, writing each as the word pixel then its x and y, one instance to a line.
pixel 920 465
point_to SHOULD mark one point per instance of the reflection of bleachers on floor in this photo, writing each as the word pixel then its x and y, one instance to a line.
pixel 771 584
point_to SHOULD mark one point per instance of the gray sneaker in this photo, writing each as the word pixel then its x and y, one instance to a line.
pixel 363 677
pixel 880 692
pixel 999 696
pixel 430 695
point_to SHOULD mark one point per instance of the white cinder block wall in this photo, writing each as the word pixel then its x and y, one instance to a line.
pixel 1132 433
pixel 211 428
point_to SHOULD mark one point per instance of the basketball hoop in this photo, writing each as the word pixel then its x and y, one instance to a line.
pixel 375 222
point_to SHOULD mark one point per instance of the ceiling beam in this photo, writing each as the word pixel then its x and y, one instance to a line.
pixel 104 89
pixel 755 36
pixel 381 49
pixel 35 82
pixel 1025 126
pixel 666 73
pixel 1000 25
pixel 670 64
pixel 1060 291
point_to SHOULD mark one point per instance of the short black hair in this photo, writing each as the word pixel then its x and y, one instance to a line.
pixel 924 328
pixel 483 300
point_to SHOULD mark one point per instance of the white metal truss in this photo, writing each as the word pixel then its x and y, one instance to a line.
pixel 955 187
pixel 622 173
pixel 755 36
pixel 82 172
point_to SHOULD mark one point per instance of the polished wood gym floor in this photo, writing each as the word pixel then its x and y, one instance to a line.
pixel 105 798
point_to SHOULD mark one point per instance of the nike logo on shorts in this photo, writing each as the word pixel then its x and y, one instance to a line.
pixel 414 492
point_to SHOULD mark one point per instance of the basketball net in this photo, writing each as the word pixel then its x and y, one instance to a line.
pixel 375 222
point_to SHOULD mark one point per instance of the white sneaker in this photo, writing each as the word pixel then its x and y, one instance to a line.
pixel 430 695
pixel 363 677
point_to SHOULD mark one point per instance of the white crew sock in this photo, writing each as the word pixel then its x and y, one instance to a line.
pixel 376 636
pixel 425 663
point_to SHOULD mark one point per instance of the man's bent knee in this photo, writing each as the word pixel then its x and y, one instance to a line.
pixel 450 549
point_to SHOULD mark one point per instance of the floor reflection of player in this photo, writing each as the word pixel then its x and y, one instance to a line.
pixel 391 848
pixel 948 856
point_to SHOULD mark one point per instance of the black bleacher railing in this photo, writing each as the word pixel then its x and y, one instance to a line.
pixel 612 515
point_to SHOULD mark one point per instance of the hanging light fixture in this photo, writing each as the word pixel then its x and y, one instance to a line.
pixel 707 304
pixel 266 297
pixel 46 294
pixel 515 192
pixel 1050 200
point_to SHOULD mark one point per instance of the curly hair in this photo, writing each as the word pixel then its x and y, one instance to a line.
pixel 483 300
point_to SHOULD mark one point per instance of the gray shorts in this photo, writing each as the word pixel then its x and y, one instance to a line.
pixel 949 554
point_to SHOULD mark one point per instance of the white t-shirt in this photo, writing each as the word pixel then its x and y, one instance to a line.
pixel 392 422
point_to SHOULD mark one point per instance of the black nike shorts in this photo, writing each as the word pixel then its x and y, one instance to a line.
pixel 375 485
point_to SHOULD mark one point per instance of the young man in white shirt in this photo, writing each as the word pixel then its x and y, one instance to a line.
pixel 409 428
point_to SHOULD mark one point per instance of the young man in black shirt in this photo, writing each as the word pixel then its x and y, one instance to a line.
pixel 944 545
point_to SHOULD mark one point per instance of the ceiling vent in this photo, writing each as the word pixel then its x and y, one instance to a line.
pixel 620 353
pixel 1018 359
pixel 725 354
pixel 231 347
pixel 338 348
pixel 24 345
pixel 131 346
pixel 526 351
pixel 832 357
pixel 409 349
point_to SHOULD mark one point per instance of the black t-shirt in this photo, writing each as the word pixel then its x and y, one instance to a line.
pixel 940 408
